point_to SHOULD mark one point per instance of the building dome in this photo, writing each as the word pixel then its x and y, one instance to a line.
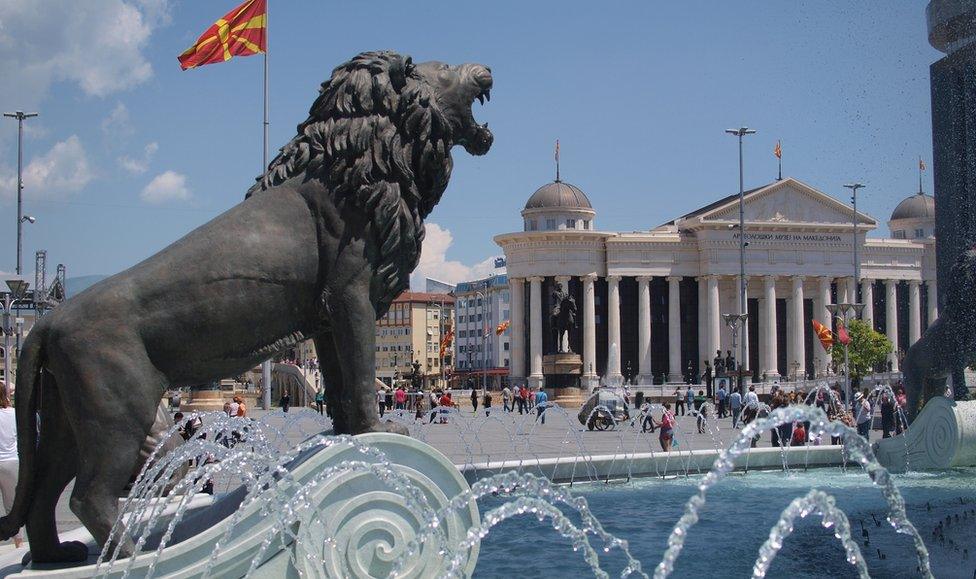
pixel 918 206
pixel 558 195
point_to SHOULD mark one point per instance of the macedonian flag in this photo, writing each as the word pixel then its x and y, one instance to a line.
pixel 823 334
pixel 241 32
pixel 502 327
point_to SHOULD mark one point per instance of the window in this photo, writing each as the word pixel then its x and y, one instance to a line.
pixel 570 224
pixel 531 225
pixel 586 224
pixel 900 234
pixel 506 362
pixel 479 317
pixel 550 223
pixel 506 346
pixel 919 233
pixel 479 302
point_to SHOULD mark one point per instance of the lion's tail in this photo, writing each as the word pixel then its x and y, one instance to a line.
pixel 28 382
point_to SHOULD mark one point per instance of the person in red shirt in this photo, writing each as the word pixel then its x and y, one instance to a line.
pixel 799 434
pixel 446 403
pixel 523 399
pixel 400 398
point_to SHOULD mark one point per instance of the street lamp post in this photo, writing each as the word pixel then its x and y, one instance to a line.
pixel 843 311
pixel 734 321
pixel 16 290
pixel 857 265
pixel 743 312
pixel 20 116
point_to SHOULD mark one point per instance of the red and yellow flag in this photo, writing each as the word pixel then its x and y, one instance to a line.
pixel 778 151
pixel 502 327
pixel 241 32
pixel 823 334
pixel 842 336
pixel 921 164
pixel 446 341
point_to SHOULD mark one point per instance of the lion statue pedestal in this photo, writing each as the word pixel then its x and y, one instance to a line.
pixel 942 436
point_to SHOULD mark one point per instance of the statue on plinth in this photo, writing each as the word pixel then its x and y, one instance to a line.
pixel 562 317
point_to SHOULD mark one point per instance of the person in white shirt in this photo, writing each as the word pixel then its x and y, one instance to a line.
pixel 9 463
pixel 752 399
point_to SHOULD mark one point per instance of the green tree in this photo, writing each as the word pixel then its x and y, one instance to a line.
pixel 867 349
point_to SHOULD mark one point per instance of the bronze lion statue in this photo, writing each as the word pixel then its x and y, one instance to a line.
pixel 319 248
pixel 947 343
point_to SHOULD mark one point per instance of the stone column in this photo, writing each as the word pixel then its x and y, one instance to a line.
pixel 644 329
pixel 797 352
pixel 820 313
pixel 535 331
pixel 914 311
pixel 518 328
pixel 589 330
pixel 933 301
pixel 891 320
pixel 613 326
pixel 674 330
pixel 867 297
pixel 770 367
pixel 714 318
pixel 702 323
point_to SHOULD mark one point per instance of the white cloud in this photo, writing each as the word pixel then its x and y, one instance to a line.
pixel 62 170
pixel 117 124
pixel 97 44
pixel 434 262
pixel 140 165
pixel 166 187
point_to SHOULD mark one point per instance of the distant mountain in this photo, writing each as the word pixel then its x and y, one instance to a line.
pixel 76 285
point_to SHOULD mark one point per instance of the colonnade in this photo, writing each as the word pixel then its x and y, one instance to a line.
pixel 709 320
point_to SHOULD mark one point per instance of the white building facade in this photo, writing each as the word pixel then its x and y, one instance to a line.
pixel 650 303
pixel 481 306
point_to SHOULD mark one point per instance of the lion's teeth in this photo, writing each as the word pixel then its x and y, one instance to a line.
pixel 488 95
pixel 481 98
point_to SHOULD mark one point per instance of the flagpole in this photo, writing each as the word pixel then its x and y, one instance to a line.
pixel 920 175
pixel 266 365
pixel 780 159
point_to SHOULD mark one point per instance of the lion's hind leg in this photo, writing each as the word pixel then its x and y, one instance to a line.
pixel 56 463
pixel 112 403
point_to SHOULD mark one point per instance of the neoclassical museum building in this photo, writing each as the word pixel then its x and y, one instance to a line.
pixel 650 303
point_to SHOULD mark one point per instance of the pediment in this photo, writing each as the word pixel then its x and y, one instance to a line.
pixel 787 202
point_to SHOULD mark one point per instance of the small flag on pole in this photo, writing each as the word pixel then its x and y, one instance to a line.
pixel 778 150
pixel 823 334
pixel 502 327
pixel 241 32
pixel 446 341
pixel 842 336
pixel 921 164
pixel 557 159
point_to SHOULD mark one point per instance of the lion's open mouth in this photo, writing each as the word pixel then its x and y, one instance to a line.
pixel 477 139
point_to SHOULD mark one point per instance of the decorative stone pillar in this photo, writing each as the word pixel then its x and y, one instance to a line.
pixel 702 323
pixel 867 298
pixel 933 301
pixel 891 320
pixel 674 330
pixel 644 330
pixel 613 328
pixel 535 331
pixel 517 287
pixel 914 311
pixel 820 313
pixel 770 367
pixel 714 324
pixel 589 331
pixel 797 350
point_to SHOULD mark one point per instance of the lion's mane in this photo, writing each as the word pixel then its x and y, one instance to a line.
pixel 378 143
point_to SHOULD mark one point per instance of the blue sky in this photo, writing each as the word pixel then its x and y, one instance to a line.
pixel 130 152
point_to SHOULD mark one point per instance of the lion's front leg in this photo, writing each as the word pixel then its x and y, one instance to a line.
pixel 354 334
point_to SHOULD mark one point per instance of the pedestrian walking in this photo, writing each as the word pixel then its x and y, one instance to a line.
pixel 486 403
pixel 9 460
pixel 474 400
pixel 541 401
pixel 666 437
pixel 679 402
pixel 286 401
pixel 721 395
pixel 690 400
pixel 507 399
pixel 864 414
pixel 887 415
pixel 320 400
pixel 380 401
pixel 735 406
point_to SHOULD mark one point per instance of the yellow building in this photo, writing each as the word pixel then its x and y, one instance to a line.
pixel 412 331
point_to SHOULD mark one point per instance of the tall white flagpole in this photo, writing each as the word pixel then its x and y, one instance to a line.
pixel 266 365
